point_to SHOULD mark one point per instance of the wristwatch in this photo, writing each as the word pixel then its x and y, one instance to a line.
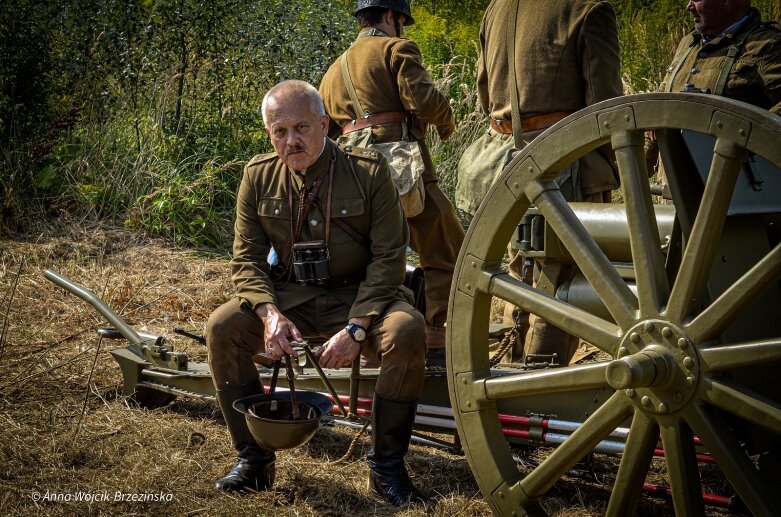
pixel 357 332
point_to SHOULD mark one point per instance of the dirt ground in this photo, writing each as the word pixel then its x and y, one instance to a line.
pixel 71 444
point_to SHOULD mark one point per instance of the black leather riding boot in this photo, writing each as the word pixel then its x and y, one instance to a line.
pixel 254 468
pixel 391 431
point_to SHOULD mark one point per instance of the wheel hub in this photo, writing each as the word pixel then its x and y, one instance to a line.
pixel 657 367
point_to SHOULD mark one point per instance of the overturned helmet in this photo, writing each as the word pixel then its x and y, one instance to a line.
pixel 400 6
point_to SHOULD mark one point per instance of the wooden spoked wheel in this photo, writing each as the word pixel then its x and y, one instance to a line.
pixel 671 365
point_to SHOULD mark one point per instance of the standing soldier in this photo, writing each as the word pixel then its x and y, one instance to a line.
pixel 565 57
pixel 730 52
pixel 380 86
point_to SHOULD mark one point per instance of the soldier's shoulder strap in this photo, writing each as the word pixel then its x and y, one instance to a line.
pixel 361 153
pixel 261 158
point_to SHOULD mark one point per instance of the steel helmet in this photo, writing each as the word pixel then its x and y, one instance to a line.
pixel 400 6
pixel 269 417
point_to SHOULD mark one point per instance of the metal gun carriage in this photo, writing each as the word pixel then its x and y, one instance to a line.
pixel 682 298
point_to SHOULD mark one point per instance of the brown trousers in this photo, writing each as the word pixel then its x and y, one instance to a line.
pixel 436 236
pixel 395 340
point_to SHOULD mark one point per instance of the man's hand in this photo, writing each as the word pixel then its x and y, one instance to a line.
pixel 446 131
pixel 341 350
pixel 278 331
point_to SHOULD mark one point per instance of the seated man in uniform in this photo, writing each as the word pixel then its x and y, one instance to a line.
pixel 312 192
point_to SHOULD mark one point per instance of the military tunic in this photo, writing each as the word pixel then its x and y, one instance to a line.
pixel 566 58
pixel 363 195
pixel 751 72
pixel 388 76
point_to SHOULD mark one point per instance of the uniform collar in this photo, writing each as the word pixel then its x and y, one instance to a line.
pixel 746 22
pixel 321 164
pixel 371 31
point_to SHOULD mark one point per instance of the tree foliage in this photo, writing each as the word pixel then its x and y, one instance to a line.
pixel 145 110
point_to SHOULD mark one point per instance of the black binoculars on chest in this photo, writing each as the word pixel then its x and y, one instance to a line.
pixel 310 262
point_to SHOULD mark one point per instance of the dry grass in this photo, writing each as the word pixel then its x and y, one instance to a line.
pixel 66 430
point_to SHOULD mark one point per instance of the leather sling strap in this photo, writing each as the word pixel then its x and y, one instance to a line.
pixel 359 112
pixel 726 68
pixel 669 87
pixel 512 22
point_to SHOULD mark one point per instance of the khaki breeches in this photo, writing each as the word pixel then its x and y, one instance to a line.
pixel 436 236
pixel 396 340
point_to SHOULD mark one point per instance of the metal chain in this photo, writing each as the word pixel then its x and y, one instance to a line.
pixel 509 339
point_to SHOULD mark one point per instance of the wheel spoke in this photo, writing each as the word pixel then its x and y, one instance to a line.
pixel 555 380
pixel 732 459
pixel 652 285
pixel 732 302
pixel 595 266
pixel 679 453
pixel 633 469
pixel 695 267
pixel 743 402
pixel 721 358
pixel 604 420
pixel 577 322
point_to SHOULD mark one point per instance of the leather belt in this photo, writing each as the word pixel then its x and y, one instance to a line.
pixel 333 282
pixel 533 123
pixel 377 119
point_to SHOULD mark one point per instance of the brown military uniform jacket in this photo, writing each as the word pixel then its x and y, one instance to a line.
pixel 753 74
pixel 363 196
pixel 566 58
pixel 388 76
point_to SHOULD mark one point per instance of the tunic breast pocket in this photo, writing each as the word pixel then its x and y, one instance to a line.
pixel 352 212
pixel 273 209
pixel 742 78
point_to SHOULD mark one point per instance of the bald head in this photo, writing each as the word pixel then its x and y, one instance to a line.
pixel 291 93
pixel 296 123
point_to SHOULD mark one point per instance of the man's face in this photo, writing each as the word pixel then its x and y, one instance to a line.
pixel 296 132
pixel 711 17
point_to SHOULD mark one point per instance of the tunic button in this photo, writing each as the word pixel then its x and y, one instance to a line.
pixel 276 211
pixel 313 222
pixel 344 211
pixel 695 70
pixel 703 53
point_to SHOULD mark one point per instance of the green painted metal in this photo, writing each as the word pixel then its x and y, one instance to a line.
pixel 691 317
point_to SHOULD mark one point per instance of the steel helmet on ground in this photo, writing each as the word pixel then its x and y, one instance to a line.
pixel 400 6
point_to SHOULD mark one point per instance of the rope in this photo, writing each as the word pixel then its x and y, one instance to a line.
pixel 353 445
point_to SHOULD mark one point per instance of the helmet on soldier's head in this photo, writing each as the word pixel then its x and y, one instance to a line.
pixel 400 6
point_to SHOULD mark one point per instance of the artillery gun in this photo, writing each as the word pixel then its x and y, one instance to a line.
pixel 682 299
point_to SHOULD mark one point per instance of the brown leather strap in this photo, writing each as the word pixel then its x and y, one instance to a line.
pixel 388 117
pixel 532 123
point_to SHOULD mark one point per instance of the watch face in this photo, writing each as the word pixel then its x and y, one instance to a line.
pixel 357 332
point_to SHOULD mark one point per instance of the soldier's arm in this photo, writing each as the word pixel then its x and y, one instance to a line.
pixel 482 73
pixel 599 54
pixel 770 71
pixel 417 91
pixel 249 266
